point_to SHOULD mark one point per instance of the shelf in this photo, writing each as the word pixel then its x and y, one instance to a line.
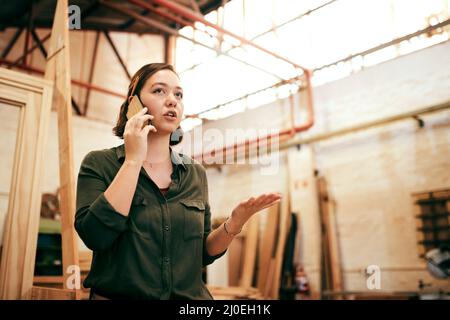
pixel 432 216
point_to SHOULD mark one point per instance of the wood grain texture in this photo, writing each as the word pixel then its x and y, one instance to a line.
pixel 281 242
pixel 43 293
pixel 58 70
pixel 266 249
pixel 32 95
pixel 251 243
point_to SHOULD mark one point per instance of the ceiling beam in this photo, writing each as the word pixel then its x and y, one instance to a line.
pixel 117 54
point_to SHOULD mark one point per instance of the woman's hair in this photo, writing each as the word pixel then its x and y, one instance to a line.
pixel 140 77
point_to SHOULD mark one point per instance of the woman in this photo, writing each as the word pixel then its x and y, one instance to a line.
pixel 143 208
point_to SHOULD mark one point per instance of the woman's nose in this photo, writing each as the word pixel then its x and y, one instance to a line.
pixel 171 100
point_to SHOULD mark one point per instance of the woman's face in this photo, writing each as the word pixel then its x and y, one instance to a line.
pixel 163 96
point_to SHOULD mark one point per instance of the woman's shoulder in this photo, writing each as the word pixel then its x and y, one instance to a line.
pixel 101 155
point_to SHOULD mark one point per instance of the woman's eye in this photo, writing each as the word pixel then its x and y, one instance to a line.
pixel 180 95
pixel 157 90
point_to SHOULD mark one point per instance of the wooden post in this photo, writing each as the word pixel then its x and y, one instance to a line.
pixel 170 44
pixel 58 70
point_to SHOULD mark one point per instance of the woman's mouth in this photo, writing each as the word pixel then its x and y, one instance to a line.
pixel 171 115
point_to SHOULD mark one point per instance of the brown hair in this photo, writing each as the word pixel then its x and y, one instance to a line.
pixel 137 82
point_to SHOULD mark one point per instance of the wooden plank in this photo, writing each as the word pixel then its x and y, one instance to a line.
pixel 283 224
pixel 85 260
pixel 325 268
pixel 251 242
pixel 267 246
pixel 232 293
pixel 336 265
pixel 283 229
pixel 233 290
pixel 267 292
pixel 235 254
pixel 49 279
pixel 330 247
pixel 58 69
pixel 31 94
pixel 43 293
pixel 56 282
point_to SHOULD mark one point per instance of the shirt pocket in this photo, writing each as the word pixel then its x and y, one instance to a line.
pixel 137 222
pixel 194 218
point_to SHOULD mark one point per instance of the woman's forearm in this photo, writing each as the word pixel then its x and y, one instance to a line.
pixel 121 190
pixel 219 240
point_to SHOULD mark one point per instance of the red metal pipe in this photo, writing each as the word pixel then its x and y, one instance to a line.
pixel 166 15
pixel 192 15
pixel 75 82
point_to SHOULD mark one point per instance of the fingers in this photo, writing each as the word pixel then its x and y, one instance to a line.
pixel 267 198
pixel 270 204
pixel 136 122
pixel 261 202
pixel 140 113
pixel 147 129
pixel 250 202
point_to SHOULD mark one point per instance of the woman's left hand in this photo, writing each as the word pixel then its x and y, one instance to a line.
pixel 247 208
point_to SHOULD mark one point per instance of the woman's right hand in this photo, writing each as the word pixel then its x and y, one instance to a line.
pixel 135 136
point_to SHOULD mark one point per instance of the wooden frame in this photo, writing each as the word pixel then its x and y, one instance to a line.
pixel 33 96
pixel 17 273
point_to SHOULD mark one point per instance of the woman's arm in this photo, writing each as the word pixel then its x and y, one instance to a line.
pixel 219 239
pixel 121 190
pixel 97 222
pixel 102 209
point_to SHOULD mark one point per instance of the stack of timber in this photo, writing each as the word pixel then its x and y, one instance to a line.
pixel 256 261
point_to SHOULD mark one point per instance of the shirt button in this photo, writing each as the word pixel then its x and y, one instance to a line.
pixel 166 228
pixel 166 260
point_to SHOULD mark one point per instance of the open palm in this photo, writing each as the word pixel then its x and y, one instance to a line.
pixel 245 209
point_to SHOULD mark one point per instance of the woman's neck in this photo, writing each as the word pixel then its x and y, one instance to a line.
pixel 157 148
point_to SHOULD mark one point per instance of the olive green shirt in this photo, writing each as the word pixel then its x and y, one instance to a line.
pixel 158 250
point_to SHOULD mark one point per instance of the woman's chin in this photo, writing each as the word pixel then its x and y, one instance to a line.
pixel 165 129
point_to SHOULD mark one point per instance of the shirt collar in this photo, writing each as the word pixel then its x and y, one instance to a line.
pixel 177 159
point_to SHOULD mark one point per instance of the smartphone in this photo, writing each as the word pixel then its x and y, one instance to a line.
pixel 134 107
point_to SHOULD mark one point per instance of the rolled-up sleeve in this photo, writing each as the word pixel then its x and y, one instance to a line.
pixel 96 221
pixel 207 259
